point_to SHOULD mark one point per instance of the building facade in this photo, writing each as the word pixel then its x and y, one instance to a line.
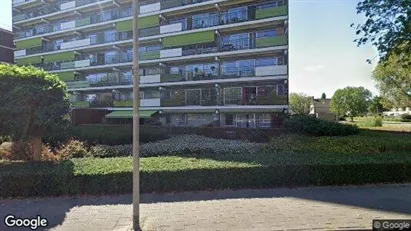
pixel 321 108
pixel 202 62
pixel 6 46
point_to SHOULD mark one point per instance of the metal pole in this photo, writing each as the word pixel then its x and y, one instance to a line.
pixel 136 122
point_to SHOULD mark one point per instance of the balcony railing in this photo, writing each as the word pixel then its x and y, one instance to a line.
pixel 52 8
pixel 89 20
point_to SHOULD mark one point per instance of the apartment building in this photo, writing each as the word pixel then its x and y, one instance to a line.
pixel 6 46
pixel 202 62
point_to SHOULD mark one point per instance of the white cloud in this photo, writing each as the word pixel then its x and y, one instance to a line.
pixel 314 68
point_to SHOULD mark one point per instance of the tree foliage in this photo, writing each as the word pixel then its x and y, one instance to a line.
pixel 300 103
pixel 388 26
pixel 376 105
pixel 33 102
pixel 323 96
pixel 394 81
pixel 351 101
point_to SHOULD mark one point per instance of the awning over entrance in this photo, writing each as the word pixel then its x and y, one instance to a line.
pixel 129 114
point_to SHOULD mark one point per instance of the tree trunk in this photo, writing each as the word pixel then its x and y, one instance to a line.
pixel 35 145
pixel 352 119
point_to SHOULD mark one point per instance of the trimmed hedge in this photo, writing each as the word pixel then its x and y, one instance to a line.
pixel 107 134
pixel 310 125
pixel 164 174
pixel 406 118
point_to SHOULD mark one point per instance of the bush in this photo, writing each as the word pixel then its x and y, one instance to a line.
pixel 406 118
pixel 310 125
pixel 95 176
pixel 371 122
pixel 4 139
pixel 179 145
pixel 22 151
pixel 339 145
pixel 73 149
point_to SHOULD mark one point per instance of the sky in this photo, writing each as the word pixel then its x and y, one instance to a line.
pixel 322 55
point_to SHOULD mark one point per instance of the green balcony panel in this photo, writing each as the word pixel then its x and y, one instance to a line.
pixel 78 84
pixel 124 26
pixel 170 4
pixel 271 41
pixel 271 12
pixel 129 114
pixel 66 76
pixel 83 22
pixel 188 39
pixel 29 43
pixel 272 100
pixel 150 55
pixel 171 78
pixel 82 104
pixel 65 56
pixel 128 103
pixel 28 61
pixel 150 21
pixel 67 65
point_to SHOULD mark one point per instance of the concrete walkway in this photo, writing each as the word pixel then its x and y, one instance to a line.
pixel 316 208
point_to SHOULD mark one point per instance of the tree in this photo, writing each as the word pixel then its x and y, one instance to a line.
pixel 388 26
pixel 300 103
pixel 376 107
pixel 351 101
pixel 33 102
pixel 323 96
pixel 394 81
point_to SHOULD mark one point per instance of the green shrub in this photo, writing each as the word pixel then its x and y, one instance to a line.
pixel 406 118
pixel 371 122
pixel 73 149
pixel 95 176
pixel 310 125
pixel 339 145
pixel 4 139
pixel 112 151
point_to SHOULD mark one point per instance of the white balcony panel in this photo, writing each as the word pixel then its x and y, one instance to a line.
pixel 68 5
pixel 150 8
pixel 176 27
pixel 271 70
pixel 150 79
pixel 68 25
pixel 20 53
pixel 77 43
pixel 171 53
pixel 150 102
pixel 82 63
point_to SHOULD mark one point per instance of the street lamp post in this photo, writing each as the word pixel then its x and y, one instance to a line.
pixel 136 122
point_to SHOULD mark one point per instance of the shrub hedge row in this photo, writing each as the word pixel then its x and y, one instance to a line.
pixel 91 177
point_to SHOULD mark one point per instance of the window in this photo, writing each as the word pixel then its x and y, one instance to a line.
pixel 109 36
pixel 183 22
pixel 151 94
pixel 193 97
pixel 265 34
pixel 266 90
pixel 281 89
pixel 181 119
pixel 205 20
pixel 229 119
pixel 266 62
pixel 110 57
pixel 232 95
pixel 264 120
pixel 169 94
pixel 236 15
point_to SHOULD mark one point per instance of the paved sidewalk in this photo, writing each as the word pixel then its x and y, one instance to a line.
pixel 316 208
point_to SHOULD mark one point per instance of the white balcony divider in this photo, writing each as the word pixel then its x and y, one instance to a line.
pixel 16 2
pixel 68 5
pixel 271 70
pixel 150 102
pixel 171 53
pixel 82 63
pixel 77 43
pixel 150 79
pixel 20 53
pixel 150 8
pixel 176 27
pixel 68 25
